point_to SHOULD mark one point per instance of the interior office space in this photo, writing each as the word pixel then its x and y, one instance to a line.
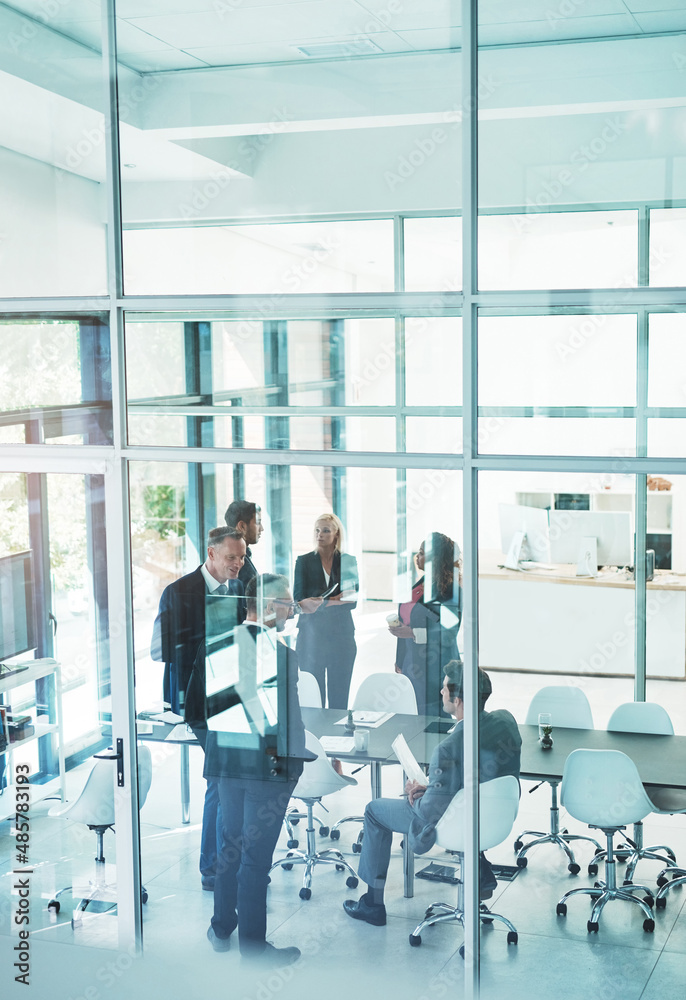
pixel 267 250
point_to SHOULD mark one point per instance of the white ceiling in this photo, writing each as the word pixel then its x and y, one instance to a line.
pixel 159 35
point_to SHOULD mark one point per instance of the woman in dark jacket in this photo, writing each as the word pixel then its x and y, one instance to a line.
pixel 325 585
pixel 430 620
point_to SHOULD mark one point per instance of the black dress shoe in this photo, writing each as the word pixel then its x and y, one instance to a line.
pixel 272 957
pixel 371 913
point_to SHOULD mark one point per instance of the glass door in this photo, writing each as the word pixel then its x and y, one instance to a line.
pixel 68 820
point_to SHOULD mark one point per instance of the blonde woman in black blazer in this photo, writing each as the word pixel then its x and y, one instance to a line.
pixel 325 585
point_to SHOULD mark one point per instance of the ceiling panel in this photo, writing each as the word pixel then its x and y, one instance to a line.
pixel 282 23
pixel 428 39
pixel 560 30
pixel 507 11
pixel 265 52
pixel 416 14
pixel 668 20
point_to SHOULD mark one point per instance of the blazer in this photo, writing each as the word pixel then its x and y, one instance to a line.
pixel 309 579
pixel 179 631
pixel 499 754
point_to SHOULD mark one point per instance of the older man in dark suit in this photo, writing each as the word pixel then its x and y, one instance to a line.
pixel 180 630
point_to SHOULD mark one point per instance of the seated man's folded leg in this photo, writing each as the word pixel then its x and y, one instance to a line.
pixel 382 818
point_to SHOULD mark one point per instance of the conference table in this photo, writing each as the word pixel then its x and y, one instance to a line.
pixel 661 760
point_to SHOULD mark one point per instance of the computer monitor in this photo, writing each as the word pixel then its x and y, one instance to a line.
pixel 596 538
pixel 523 534
pixel 17 610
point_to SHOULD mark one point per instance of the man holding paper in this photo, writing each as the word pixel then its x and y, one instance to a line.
pixel 427 800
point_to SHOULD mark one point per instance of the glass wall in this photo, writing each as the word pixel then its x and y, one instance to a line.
pixel 294 328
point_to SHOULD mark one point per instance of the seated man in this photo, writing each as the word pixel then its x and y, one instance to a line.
pixel 417 815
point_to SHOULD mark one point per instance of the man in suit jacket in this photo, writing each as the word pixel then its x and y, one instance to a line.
pixel 256 763
pixel 417 815
pixel 179 632
pixel 245 517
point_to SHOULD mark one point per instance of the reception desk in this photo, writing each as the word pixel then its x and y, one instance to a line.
pixel 555 622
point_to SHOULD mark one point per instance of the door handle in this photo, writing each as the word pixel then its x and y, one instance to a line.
pixel 52 618
pixel 119 757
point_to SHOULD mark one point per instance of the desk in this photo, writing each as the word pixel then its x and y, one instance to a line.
pixel 321 722
pixel 661 760
pixel 586 620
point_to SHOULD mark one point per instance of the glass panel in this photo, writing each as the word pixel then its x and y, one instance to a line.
pixel 433 254
pixel 667 437
pixel 293 117
pixel 556 436
pixel 666 384
pixel 540 523
pixel 666 597
pixel 667 246
pixel 52 163
pixel 557 361
pixel 433 361
pixel 558 250
pixel 247 365
pixel 55 685
pixel 262 260
pixel 380 564
pixel 55 381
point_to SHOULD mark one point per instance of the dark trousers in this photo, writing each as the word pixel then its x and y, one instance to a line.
pixel 252 814
pixel 332 666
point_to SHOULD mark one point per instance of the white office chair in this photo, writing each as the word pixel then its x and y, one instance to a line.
pixel 384 692
pixel 641 717
pixel 569 709
pixel 603 789
pixel 309 694
pixel 317 780
pixel 95 808
pixel 498 806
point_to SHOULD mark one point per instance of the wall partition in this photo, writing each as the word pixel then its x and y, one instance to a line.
pixel 418 264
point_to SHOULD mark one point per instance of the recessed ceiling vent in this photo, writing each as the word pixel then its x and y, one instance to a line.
pixel 333 50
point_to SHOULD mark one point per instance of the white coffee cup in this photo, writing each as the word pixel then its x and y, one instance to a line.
pixel 361 737
pixel 393 620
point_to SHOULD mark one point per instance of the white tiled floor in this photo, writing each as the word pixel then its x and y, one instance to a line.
pixel 554 957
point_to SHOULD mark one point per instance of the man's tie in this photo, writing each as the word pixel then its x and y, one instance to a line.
pixel 222 590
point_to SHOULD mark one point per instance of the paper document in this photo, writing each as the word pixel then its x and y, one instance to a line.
pixel 408 760
pixel 337 744
pixel 170 717
pixel 181 734
pixel 370 720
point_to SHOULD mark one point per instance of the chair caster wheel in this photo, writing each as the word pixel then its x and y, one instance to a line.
pixel 144 895
pixel 598 850
pixel 661 881
pixel 461 951
pixel 324 831
pixel 292 844
pixel 415 940
pixel 522 862
pixel 357 848
pixel 574 868
pixel 335 834
pixel 627 881
pixel 54 906
pixel 561 909
pixel 352 882
pixel 660 902
pixel 649 926
pixel 305 893
pixel 649 901
pixel 592 869
pixel 486 920
pixel 294 820
pixel 592 927
pixel 286 868
pixel 512 937
pixel 518 845
pixel 340 868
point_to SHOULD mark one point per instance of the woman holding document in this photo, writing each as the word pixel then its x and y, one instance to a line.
pixel 325 587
